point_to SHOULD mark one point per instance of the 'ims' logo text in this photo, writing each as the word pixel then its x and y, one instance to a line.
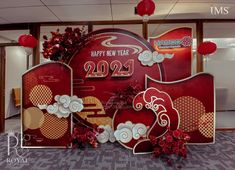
pixel 219 10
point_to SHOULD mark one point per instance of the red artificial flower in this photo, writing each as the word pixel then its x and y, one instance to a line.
pixel 166 150
pixel 181 143
pixel 153 140
pixel 83 135
pixel 177 133
pixel 161 142
pixel 45 37
pixel 68 30
pixel 186 137
pixel 183 152
pixel 176 150
pixel 172 142
pixel 123 98
pixel 67 44
pixel 157 152
pixel 169 138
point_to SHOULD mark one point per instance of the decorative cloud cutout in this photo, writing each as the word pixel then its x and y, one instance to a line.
pixel 139 130
pixel 106 135
pixel 103 137
pixel 148 58
pixel 64 106
pixel 127 131
pixel 128 124
pixel 124 135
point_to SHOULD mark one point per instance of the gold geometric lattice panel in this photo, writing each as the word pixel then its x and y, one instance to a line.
pixel 53 127
pixel 32 118
pixel 94 106
pixel 29 82
pixel 206 125
pixel 40 94
pixel 190 110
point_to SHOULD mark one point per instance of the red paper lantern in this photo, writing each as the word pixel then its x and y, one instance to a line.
pixel 27 41
pixel 207 48
pixel 145 7
pixel 22 39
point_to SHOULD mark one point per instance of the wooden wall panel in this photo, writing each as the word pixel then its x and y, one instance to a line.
pixel 2 89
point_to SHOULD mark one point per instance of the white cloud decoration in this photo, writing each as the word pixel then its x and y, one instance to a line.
pixel 106 135
pixel 124 135
pixel 139 130
pixel 127 131
pixel 148 58
pixel 64 106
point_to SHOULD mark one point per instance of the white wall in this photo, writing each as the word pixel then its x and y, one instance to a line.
pixel 15 67
pixel 225 120
pixel 222 66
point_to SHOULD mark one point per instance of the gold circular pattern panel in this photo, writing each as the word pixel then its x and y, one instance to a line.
pixel 206 125
pixel 190 110
pixel 29 82
pixel 32 118
pixel 53 127
pixel 40 95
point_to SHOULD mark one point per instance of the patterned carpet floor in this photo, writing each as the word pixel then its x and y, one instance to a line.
pixel 220 156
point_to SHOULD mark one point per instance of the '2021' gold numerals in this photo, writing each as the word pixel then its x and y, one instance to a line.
pixel 102 69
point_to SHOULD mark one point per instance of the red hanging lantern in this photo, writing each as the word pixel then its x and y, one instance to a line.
pixel 207 48
pixel 145 8
pixel 27 41
pixel 22 39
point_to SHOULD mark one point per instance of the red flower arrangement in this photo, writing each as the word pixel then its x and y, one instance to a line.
pixel 123 98
pixel 62 46
pixel 172 143
pixel 83 135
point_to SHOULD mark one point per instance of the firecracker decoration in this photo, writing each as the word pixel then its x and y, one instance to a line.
pixel 62 46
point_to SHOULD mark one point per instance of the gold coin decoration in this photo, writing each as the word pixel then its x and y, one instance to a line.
pixel 40 95
pixel 206 125
pixel 190 110
pixel 32 118
pixel 54 127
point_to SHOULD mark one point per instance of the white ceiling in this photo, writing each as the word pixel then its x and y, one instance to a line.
pixel 26 11
pixel 23 11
